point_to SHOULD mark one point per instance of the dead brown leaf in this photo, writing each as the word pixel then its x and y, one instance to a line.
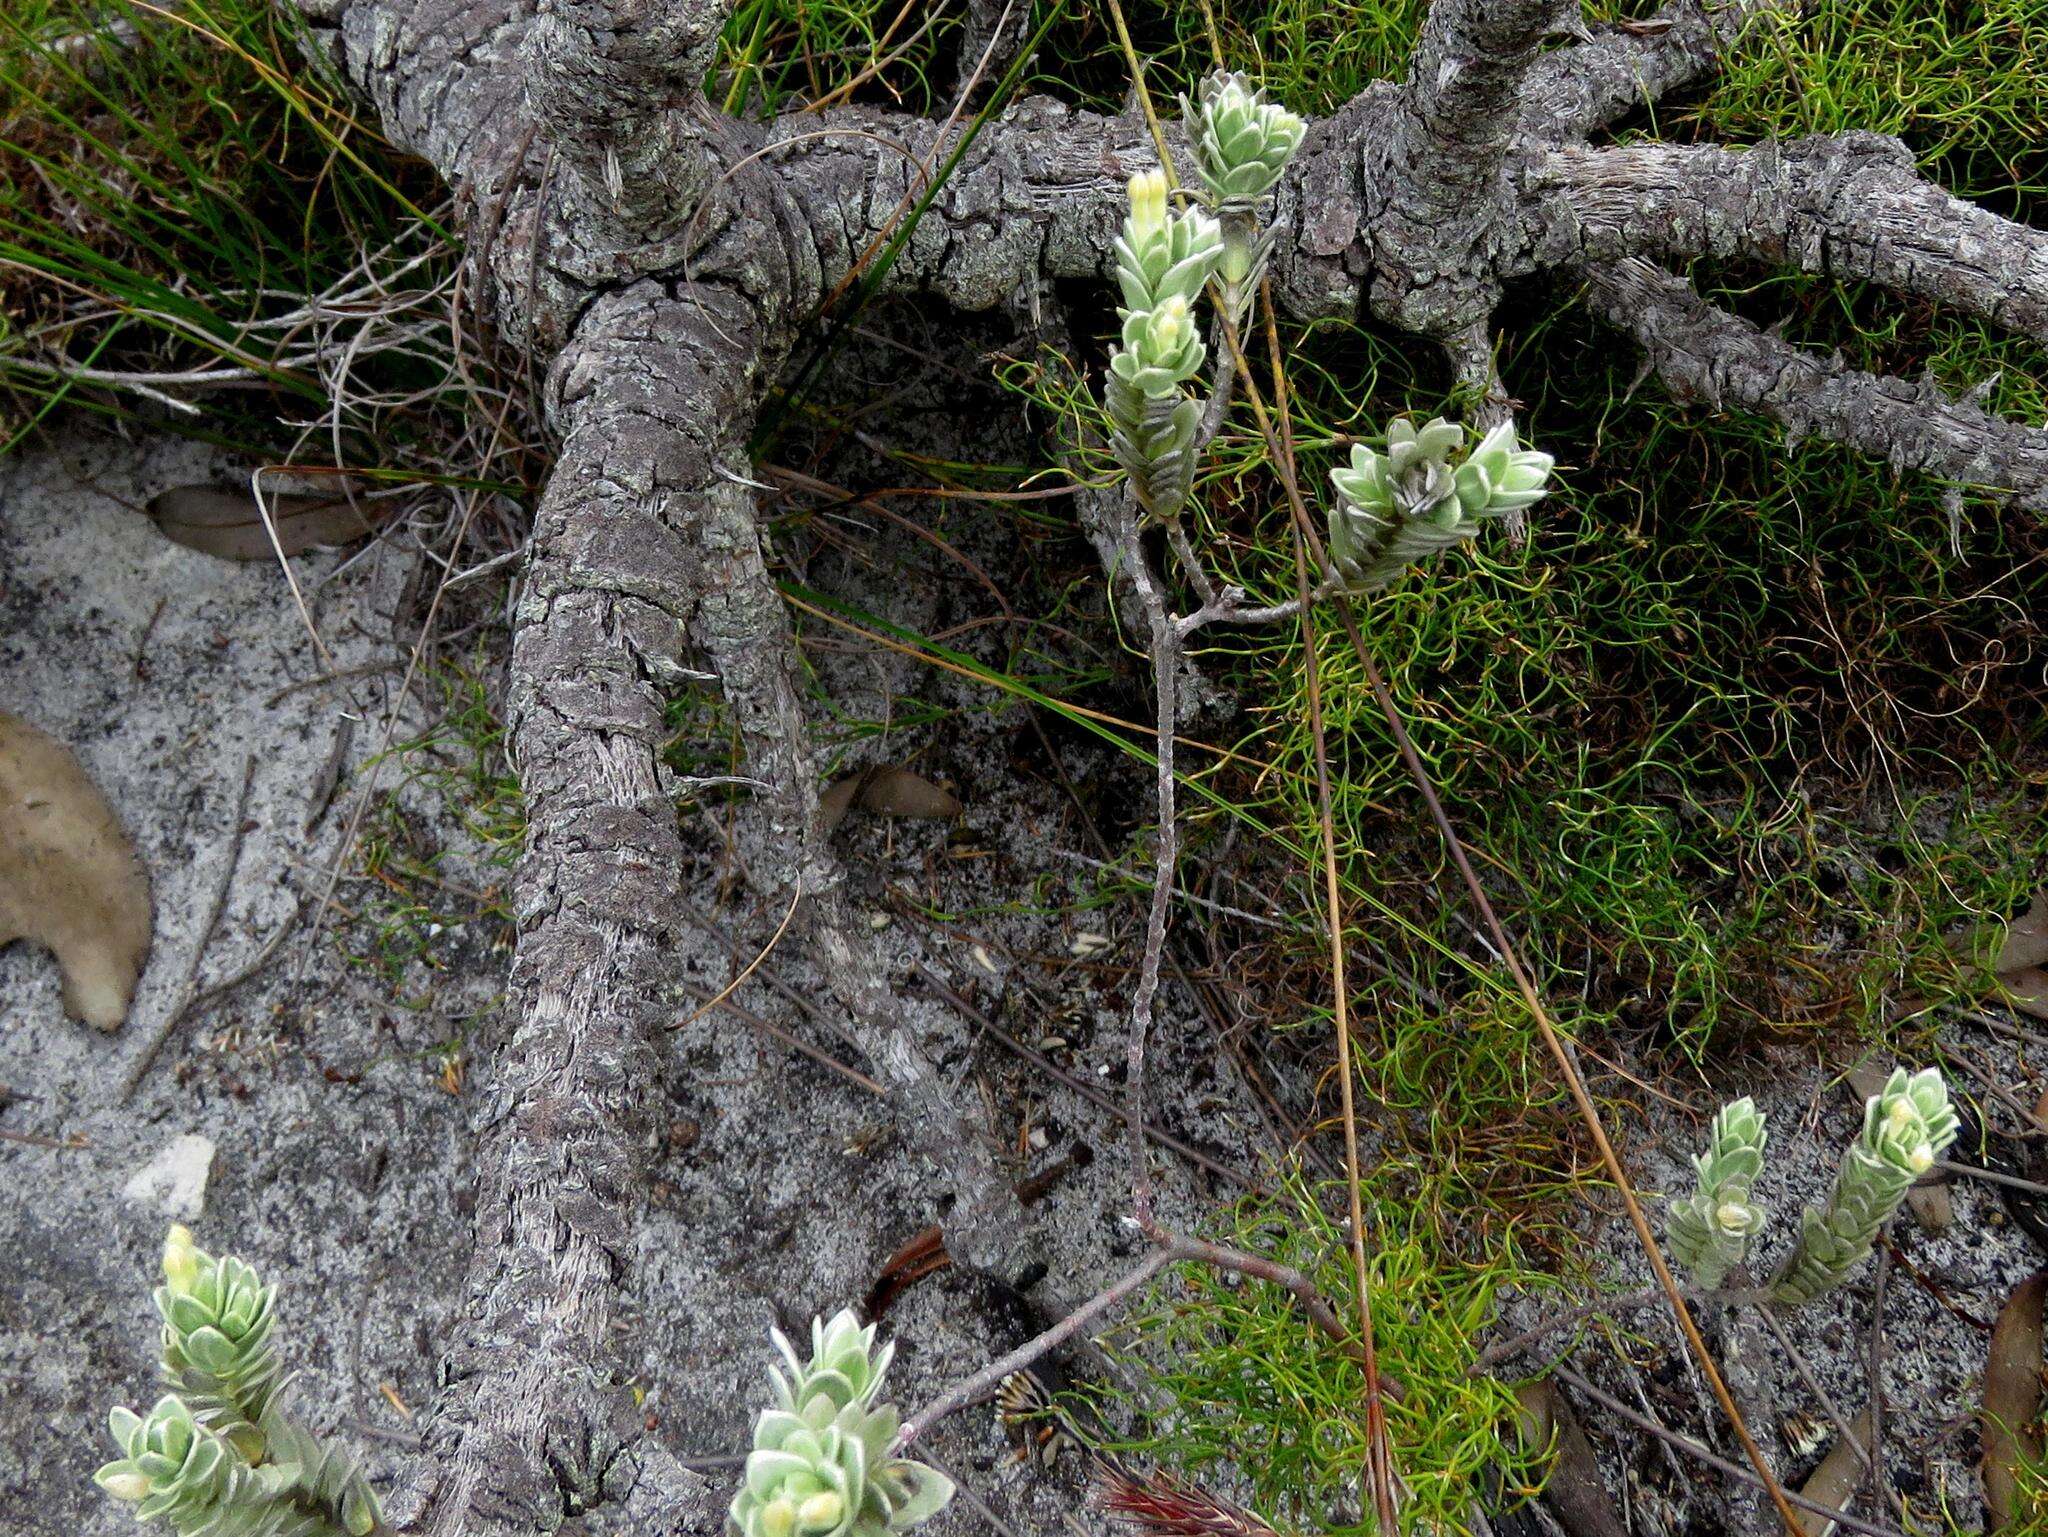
pixel 2020 957
pixel 2027 990
pixel 1575 1491
pixel 1835 1482
pixel 69 878
pixel 2025 945
pixel 2012 1399
pixel 888 791
pixel 224 522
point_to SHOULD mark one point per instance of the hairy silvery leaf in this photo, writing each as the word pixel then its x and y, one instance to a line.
pixel 820 1466
pixel 1405 503
pixel 219 1457
pixel 1905 1128
pixel 1240 141
pixel 1711 1227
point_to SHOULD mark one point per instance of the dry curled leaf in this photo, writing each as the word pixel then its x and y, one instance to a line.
pixel 1835 1482
pixel 888 791
pixel 2011 1427
pixel 225 522
pixel 2025 945
pixel 1574 1489
pixel 69 878
pixel 2019 963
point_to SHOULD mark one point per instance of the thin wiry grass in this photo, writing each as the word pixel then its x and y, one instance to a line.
pixel 1253 1392
pixel 188 210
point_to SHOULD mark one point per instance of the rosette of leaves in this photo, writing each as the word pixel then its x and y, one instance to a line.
pixel 1163 261
pixel 1402 505
pixel 219 1457
pixel 177 1471
pixel 1241 144
pixel 821 1463
pixel 1711 1228
pixel 1906 1125
pixel 216 1347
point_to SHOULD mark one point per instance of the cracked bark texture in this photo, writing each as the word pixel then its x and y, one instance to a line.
pixel 520 1439
pixel 664 260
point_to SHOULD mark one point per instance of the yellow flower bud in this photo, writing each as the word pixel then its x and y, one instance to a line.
pixel 1148 204
pixel 778 1518
pixel 1170 323
pixel 1921 1159
pixel 1733 1217
pixel 181 1258
pixel 126 1486
pixel 821 1511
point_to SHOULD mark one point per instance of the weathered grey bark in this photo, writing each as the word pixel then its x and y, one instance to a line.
pixel 1622 66
pixel 1848 206
pixel 650 415
pixel 1704 353
pixel 664 258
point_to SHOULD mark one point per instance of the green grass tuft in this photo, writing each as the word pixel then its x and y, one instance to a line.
pixel 1254 1388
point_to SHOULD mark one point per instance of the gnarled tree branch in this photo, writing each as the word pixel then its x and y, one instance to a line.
pixel 1704 353
pixel 1847 206
pixel 1621 66
pixel 651 398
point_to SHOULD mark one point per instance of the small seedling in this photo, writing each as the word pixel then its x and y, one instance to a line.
pixel 1906 1125
pixel 821 1463
pixel 217 1456
pixel 1163 261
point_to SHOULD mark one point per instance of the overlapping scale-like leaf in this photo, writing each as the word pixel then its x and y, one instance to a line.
pixel 1712 1224
pixel 1405 502
pixel 1906 1125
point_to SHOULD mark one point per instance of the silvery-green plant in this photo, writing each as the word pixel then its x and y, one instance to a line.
pixel 218 1456
pixel 1906 1125
pixel 1712 1226
pixel 821 1463
pixel 1163 262
pixel 216 1347
pixel 1416 498
pixel 1241 144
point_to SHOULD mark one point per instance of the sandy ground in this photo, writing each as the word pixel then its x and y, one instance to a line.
pixel 342 1158
pixel 341 1163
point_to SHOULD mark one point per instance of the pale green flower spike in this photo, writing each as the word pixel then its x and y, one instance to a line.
pixel 1712 1227
pixel 1163 262
pixel 1398 507
pixel 217 1456
pixel 1241 144
pixel 1159 254
pixel 820 1466
pixel 1905 1128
